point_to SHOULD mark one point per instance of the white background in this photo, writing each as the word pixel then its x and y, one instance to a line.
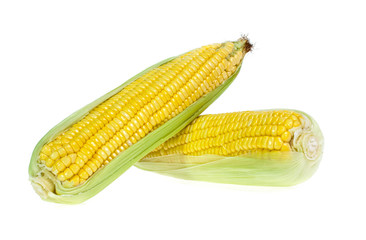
pixel 57 56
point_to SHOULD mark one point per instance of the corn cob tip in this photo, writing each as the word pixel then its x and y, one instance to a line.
pixel 244 43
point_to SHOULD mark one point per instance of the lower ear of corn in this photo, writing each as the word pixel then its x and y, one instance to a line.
pixel 261 142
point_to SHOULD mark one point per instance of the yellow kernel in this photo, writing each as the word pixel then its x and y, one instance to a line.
pixel 54 156
pixel 286 136
pixel 104 135
pixel 79 161
pixel 118 122
pixel 73 157
pixel 75 180
pixel 294 118
pixel 93 128
pixel 280 130
pixel 277 143
pixel 113 143
pixel 68 173
pixel 57 142
pixel 75 146
pixel 96 163
pixel 281 120
pixel 270 143
pixel 274 130
pixel 274 120
pixel 255 121
pixel 108 132
pixel 92 166
pixel 59 166
pixel 259 142
pixel 49 162
pixel 101 153
pixel 89 147
pixel 83 174
pixel 297 123
pixel 288 123
pixel 132 139
pixel 74 168
pixel 141 132
pixel 298 115
pixel 43 157
pixel 83 137
pixel 113 126
pixel 80 141
pixel 87 132
pixel 92 144
pixel 66 160
pixel 263 129
pixel 106 150
pixel 269 130
pixel 125 134
pixel 249 143
pixel 88 169
pixel 98 159
pixel 61 177
pixel 46 150
pixel 286 147
pixel 148 127
pixel 100 137
pixel 68 148
pixel 85 150
pixel 264 142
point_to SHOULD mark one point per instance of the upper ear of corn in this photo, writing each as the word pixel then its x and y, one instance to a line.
pixel 92 147
pixel 270 147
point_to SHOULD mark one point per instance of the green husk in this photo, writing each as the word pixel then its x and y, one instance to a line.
pixel 266 169
pixel 50 189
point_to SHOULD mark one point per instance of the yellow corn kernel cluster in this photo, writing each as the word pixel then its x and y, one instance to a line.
pixel 135 111
pixel 234 134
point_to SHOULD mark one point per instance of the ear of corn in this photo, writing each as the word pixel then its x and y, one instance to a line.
pixel 267 148
pixel 88 150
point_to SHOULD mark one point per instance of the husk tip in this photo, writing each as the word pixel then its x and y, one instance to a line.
pixel 248 46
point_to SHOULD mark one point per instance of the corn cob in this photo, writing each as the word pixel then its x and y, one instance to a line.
pixel 271 147
pixel 92 147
